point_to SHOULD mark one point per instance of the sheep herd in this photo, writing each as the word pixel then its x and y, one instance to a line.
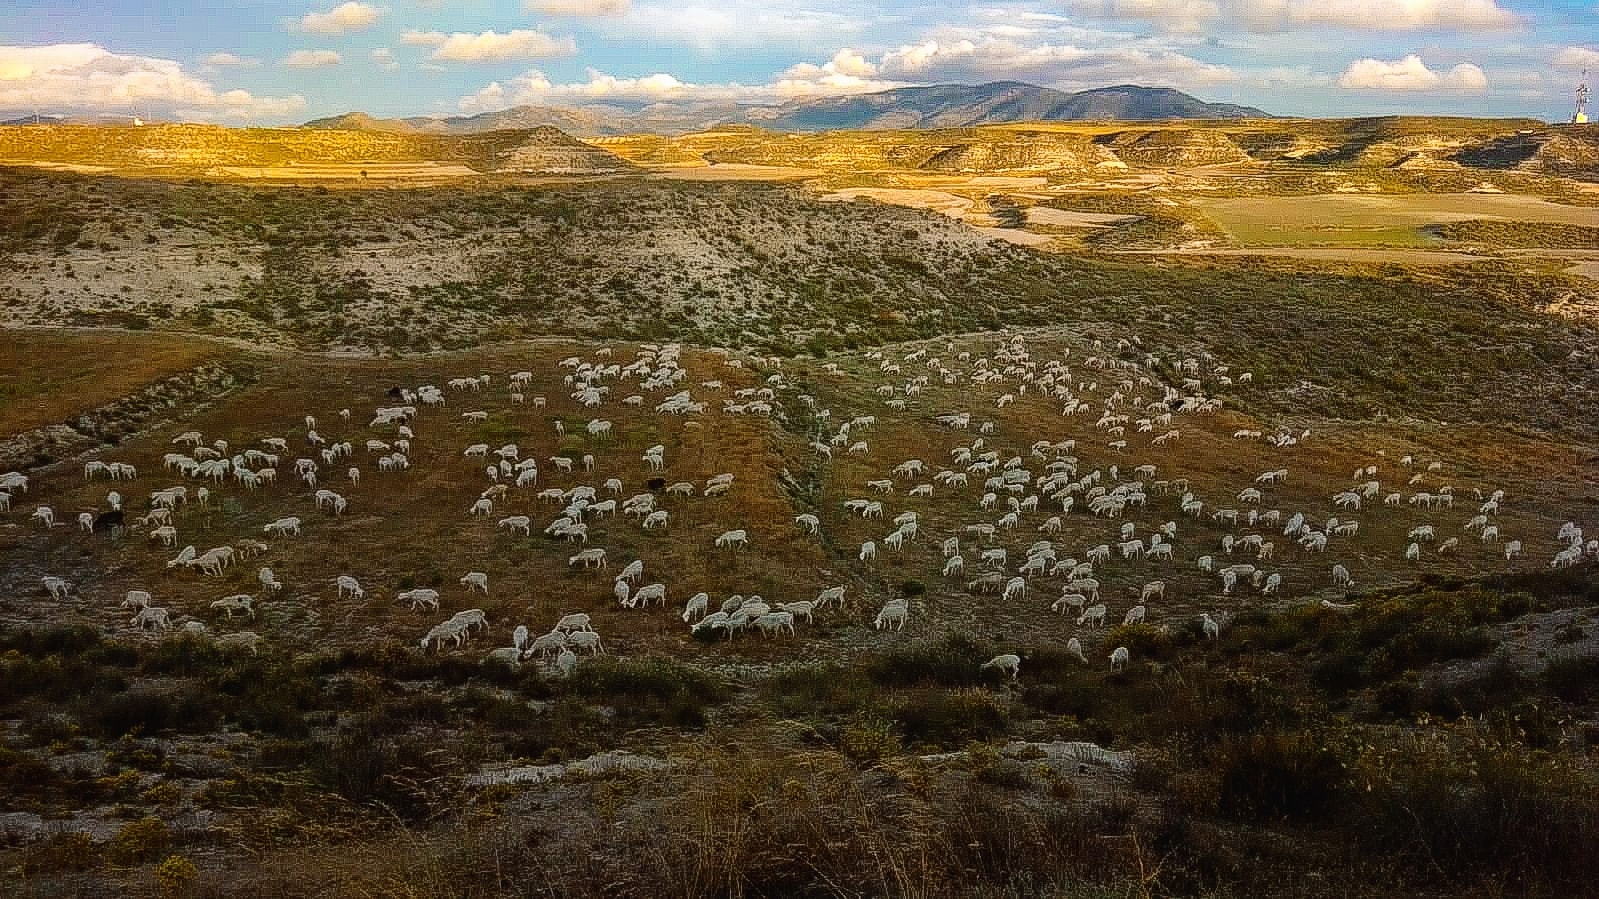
pixel 1075 494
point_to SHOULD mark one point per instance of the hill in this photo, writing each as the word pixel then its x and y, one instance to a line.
pixel 371 149
pixel 934 106
pixel 1000 102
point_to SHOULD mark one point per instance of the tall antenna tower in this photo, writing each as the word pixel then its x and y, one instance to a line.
pixel 1580 116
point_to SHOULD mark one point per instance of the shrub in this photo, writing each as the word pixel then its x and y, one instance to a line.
pixel 1276 774
pixel 944 719
pixel 140 841
pixel 950 662
pixel 175 874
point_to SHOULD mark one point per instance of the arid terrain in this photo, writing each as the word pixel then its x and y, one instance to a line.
pixel 1306 407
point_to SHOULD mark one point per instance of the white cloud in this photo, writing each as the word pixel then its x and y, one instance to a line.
pixel 1576 59
pixel 312 59
pixel 341 19
pixel 1288 15
pixel 709 27
pixel 384 57
pixel 490 46
pixel 416 38
pixel 1064 65
pixel 73 78
pixel 577 7
pixel 222 60
pixel 1411 74
pixel 535 88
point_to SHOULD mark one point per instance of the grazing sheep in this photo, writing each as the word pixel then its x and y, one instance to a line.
pixel 1006 663
pixel 1119 659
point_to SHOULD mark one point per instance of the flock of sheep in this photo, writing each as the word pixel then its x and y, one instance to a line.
pixel 1057 504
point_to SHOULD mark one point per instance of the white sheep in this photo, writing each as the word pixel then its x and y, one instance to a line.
pixel 57 587
pixel 475 580
pixel 734 539
pixel 347 584
pixel 1006 663
pixel 1119 658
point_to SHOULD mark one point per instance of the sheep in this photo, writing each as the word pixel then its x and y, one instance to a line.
pixel 1119 659
pixel 774 622
pixel 152 618
pixel 347 584
pixel 733 539
pixel 241 640
pixel 1093 616
pixel 577 621
pixel 656 592
pixel 697 606
pixel 1015 588
pixel 588 640
pixel 1512 550
pixel 419 597
pixel 268 580
pixel 484 507
pixel 623 593
pixel 475 580
pixel 1005 663
pixel 44 515
pixel 58 588
pixel 566 662
pixel 517 523
pixel 545 644
pixel 829 596
pixel 1341 577
pixel 588 558
pixel 868 551
pixel 1210 626
pixel 1069 601
pixel 1135 615
pixel 284 527
pixel 894 612
pixel 1153 590
pixel 240 602
pixel 808 523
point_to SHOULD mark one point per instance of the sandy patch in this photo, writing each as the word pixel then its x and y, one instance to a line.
pixel 934 200
pixel 1327 254
pixel 1065 218
pixel 731 171
pixel 1017 236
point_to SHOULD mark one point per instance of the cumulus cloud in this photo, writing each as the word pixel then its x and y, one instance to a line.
pixel 1288 15
pixel 341 19
pixel 1411 74
pixel 87 78
pixel 1059 64
pixel 384 58
pixel 535 88
pixel 312 59
pixel 1575 59
pixel 223 60
pixel 490 46
pixel 709 26
pixel 577 7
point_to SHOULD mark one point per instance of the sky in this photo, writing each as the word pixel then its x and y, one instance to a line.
pixel 262 62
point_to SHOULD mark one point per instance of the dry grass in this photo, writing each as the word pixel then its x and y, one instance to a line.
pixel 47 378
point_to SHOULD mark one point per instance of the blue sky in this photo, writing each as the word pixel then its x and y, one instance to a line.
pixel 274 62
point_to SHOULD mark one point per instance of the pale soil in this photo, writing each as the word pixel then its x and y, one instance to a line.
pixel 1325 254
pixel 1389 211
pixel 1064 218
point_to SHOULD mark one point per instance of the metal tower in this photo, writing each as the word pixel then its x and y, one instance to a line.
pixel 1580 116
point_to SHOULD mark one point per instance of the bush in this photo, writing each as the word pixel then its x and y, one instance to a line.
pixel 951 662
pixel 946 720
pixel 140 841
pixel 1276 775
pixel 1144 641
pixel 175 874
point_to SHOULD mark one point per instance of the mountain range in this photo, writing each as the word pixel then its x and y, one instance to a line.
pixel 934 106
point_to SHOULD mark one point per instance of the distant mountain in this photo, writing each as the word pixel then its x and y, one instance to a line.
pixel 935 106
pixel 965 106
